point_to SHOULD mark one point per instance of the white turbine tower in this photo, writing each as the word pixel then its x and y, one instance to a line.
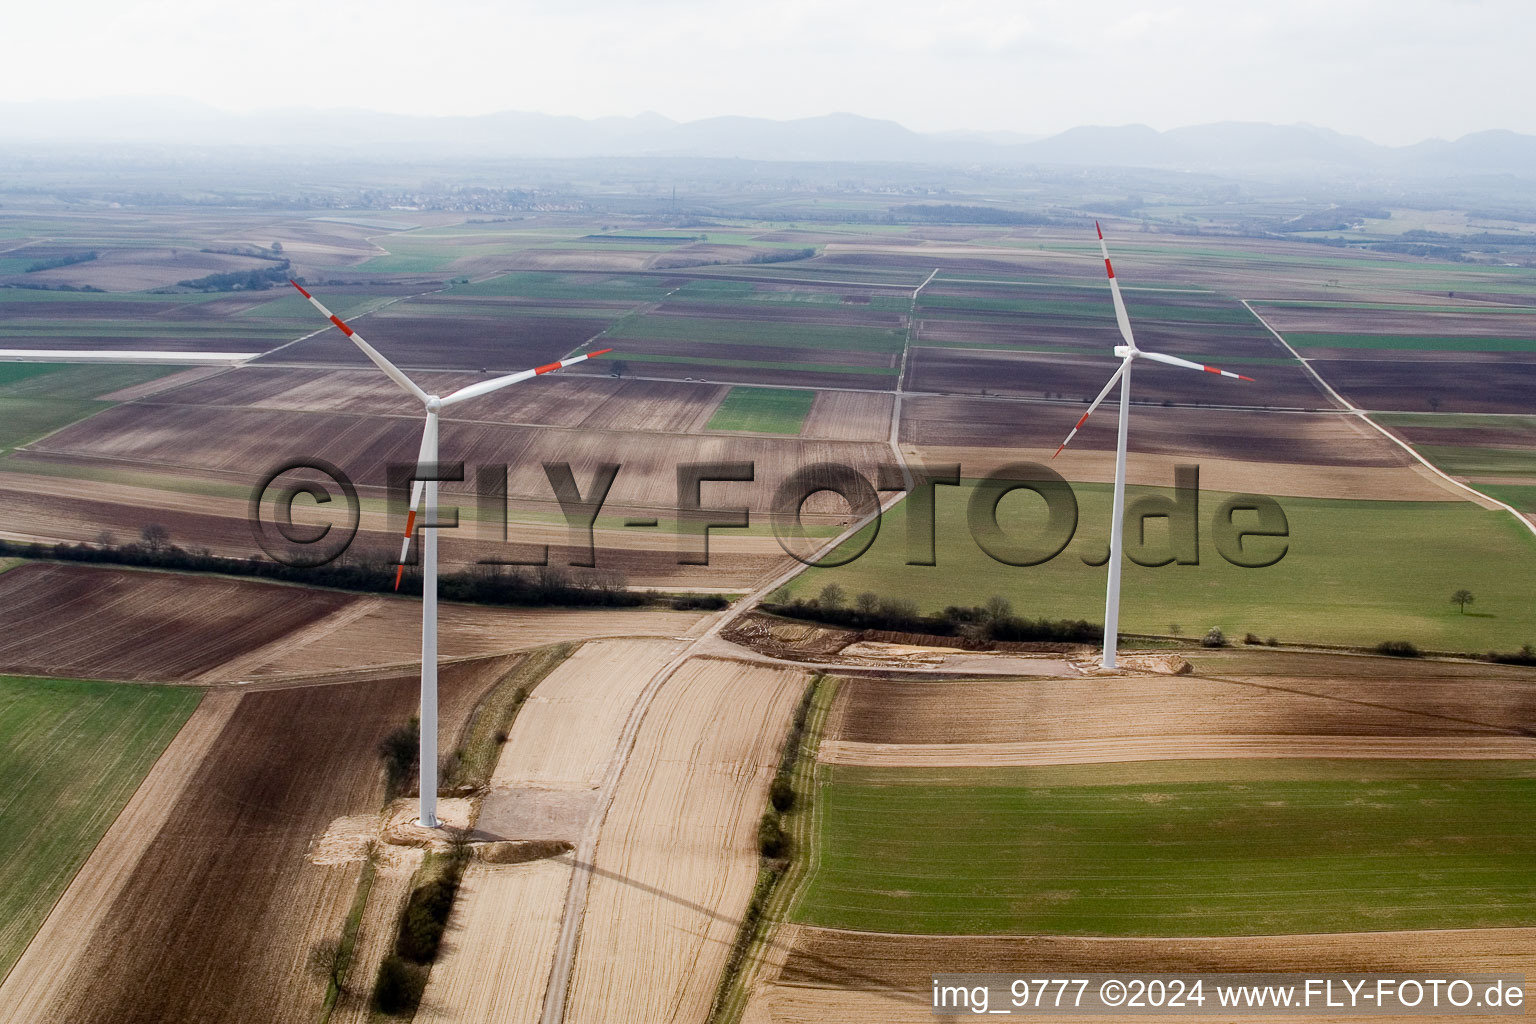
pixel 426 462
pixel 1128 354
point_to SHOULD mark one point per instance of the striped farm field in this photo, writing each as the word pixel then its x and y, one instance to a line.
pixel 81 748
pixel 1176 848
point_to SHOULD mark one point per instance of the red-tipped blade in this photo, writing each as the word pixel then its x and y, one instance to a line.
pixel 1189 364
pixel 1113 380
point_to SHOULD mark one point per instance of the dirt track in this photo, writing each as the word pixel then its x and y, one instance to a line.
pixel 677 859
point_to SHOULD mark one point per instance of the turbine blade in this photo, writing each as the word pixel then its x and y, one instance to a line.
pixel 418 490
pixel 485 387
pixel 1121 317
pixel 1158 357
pixel 372 353
pixel 1115 379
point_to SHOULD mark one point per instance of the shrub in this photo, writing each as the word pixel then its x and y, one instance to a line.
pixel 781 794
pixel 1272 642
pixel 699 602
pixel 426 915
pixel 1214 638
pixel 399 987
pixel 771 839
pixel 1397 649
pixel 1251 638
pixel 400 751
pixel 500 736
pixel 1526 655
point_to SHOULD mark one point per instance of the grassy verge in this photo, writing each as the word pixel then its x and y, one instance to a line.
pixel 72 752
pixel 348 942
pixel 1177 848
pixel 778 882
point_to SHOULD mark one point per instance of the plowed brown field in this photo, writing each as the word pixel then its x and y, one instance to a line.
pixel 217 917
pixel 85 621
pixel 1408 704
pixel 833 975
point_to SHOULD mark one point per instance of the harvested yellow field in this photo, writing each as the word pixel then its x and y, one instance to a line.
pixel 566 733
pixel 677 859
pixel 499 945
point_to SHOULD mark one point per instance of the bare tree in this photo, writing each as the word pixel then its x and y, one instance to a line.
pixel 832 597
pixel 1462 598
pixel 326 961
pixel 460 843
pixel 155 536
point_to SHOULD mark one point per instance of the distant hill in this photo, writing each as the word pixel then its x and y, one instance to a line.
pixel 1226 147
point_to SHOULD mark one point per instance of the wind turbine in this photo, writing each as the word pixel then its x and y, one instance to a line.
pixel 1128 354
pixel 426 463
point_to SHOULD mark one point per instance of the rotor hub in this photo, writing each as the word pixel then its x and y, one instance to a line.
pixel 434 403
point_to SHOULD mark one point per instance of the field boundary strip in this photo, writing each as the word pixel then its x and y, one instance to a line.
pixel 1365 416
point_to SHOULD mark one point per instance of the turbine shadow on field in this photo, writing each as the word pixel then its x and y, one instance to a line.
pixel 1513 730
pixel 774 942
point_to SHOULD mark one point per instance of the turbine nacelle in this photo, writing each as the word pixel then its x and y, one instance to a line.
pixel 1126 351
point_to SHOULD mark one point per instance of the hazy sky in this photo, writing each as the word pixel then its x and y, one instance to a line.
pixel 1392 70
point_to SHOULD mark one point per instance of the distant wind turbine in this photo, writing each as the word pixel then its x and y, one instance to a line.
pixel 1128 354
pixel 426 462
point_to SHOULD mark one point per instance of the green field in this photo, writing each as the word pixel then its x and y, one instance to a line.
pixel 39 398
pixel 1176 848
pixel 26 419
pixel 1354 572
pixel 1469 461
pixel 763 410
pixel 1521 496
pixel 72 752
